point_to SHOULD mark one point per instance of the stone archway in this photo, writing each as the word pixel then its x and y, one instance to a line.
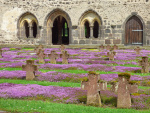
pixel 58 27
pixel 27 22
pixel 95 23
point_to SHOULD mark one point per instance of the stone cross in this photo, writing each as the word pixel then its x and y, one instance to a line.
pixel 1 53
pixel 30 69
pixel 101 47
pixel 115 47
pixel 124 90
pixel 41 55
pixel 108 47
pixel 62 47
pixel 93 94
pixel 36 50
pixel 137 49
pixel 111 55
pixel 64 57
pixel 53 56
pixel 145 65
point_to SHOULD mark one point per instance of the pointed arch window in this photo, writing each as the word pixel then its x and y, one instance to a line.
pixel 87 29
pixel 96 29
pixel 34 25
pixel 26 28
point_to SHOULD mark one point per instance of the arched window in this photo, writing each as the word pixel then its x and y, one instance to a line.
pixel 26 27
pixel 95 29
pixel 87 29
pixel 34 25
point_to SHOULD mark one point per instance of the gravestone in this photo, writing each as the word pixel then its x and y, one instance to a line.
pixel 102 85
pixel 137 49
pixel 111 55
pixel 108 47
pixel 53 56
pixel 36 50
pixel 114 87
pixel 145 64
pixel 124 90
pixel 62 48
pixel 1 53
pixel 64 57
pixel 93 94
pixel 101 47
pixel 30 69
pixel 41 55
pixel 115 47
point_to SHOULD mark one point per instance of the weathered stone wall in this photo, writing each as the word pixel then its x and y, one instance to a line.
pixel 113 14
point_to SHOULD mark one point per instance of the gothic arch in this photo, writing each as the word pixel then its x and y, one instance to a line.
pixel 91 16
pixel 49 21
pixel 124 26
pixel 29 18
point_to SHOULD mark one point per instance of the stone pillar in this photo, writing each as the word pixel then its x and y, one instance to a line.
pixel 124 98
pixel 99 32
pixel 48 38
pixel 91 31
pixel 30 31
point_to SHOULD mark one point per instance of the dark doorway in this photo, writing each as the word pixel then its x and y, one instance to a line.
pixel 87 29
pixel 134 31
pixel 26 26
pixel 34 29
pixel 95 29
pixel 60 31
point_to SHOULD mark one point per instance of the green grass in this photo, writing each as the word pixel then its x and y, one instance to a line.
pixel 11 69
pixel 43 83
pixel 64 71
pixel 15 105
pixel 143 87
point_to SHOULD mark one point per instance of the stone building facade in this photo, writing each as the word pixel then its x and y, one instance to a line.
pixel 75 22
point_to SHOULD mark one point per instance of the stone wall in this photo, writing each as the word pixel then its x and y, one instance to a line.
pixel 113 14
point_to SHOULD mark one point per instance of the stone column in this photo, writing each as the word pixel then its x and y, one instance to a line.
pixel 99 32
pixel 91 31
pixel 30 31
pixel 48 39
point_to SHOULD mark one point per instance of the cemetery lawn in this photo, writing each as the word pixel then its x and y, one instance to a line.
pixel 16 105
pixel 57 87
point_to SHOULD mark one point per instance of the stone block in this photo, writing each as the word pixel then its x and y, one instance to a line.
pixel 107 41
pixel 107 31
pixel 94 42
pixel 116 41
pixel 75 41
pixel 81 42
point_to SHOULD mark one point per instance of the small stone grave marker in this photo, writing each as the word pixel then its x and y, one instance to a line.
pixel 41 55
pixel 101 47
pixel 36 50
pixel 30 69
pixel 145 65
pixel 53 56
pixel 137 49
pixel 108 47
pixel 124 90
pixel 111 55
pixel 1 53
pixel 62 47
pixel 64 57
pixel 115 47
pixel 93 94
